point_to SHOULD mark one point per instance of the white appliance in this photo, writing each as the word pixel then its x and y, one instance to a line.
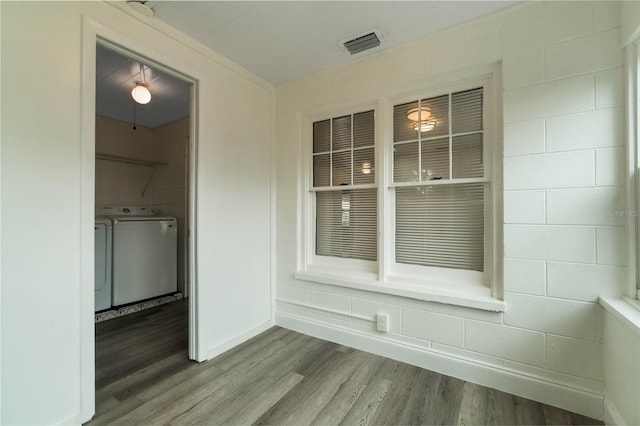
pixel 102 281
pixel 145 254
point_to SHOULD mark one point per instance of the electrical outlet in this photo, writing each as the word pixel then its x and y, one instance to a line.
pixel 382 322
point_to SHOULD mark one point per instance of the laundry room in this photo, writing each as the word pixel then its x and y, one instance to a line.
pixel 141 170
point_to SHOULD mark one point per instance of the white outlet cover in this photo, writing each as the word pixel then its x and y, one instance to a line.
pixel 382 322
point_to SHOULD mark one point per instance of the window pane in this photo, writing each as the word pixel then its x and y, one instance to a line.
pixel 405 162
pixel 467 156
pixel 403 127
pixel 321 136
pixel 346 224
pixel 435 159
pixel 341 133
pixel 363 129
pixel 341 168
pixel 434 116
pixel 321 170
pixel 363 166
pixel 441 226
pixel 466 111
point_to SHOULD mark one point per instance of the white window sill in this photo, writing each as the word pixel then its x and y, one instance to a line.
pixel 625 310
pixel 473 297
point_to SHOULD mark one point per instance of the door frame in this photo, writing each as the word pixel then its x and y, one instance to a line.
pixel 95 33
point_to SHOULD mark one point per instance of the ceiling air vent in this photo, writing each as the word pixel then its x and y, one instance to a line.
pixel 362 43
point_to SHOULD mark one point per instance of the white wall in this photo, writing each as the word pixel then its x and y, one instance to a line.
pixel 563 120
pixel 630 15
pixel 170 183
pixel 43 163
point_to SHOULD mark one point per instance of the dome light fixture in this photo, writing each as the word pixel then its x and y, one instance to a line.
pixel 366 168
pixel 141 93
pixel 424 126
pixel 421 118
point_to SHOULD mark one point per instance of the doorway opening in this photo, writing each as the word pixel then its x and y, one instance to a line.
pixel 144 199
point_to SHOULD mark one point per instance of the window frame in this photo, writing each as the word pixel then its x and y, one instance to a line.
pixel 379 276
pixel 633 172
pixel 398 271
pixel 312 261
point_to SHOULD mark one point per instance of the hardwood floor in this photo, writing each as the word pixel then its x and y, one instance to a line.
pixel 143 376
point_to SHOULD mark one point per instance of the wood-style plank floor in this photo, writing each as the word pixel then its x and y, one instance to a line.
pixel 282 377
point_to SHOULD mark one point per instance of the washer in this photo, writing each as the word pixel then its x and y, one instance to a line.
pixel 102 281
pixel 145 254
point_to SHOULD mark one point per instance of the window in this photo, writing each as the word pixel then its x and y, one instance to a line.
pixel 439 181
pixel 632 211
pixel 401 198
pixel 343 182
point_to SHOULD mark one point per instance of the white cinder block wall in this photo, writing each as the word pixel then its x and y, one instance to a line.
pixel 121 184
pixel 563 161
pixel 170 183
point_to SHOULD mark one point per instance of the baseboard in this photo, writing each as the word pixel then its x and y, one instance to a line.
pixel 216 350
pixel 612 415
pixel 73 420
pixel 578 400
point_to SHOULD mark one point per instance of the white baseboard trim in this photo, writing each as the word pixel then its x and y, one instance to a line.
pixel 73 420
pixel 216 350
pixel 525 385
pixel 612 415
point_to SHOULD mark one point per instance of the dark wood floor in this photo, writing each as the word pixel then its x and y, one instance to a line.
pixel 143 376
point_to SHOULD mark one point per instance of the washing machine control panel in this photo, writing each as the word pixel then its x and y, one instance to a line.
pixel 125 211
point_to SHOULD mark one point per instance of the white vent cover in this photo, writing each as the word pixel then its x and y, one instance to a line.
pixel 365 42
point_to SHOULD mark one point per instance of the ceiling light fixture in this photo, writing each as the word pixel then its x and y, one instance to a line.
pixel 140 92
pixel 366 168
pixel 421 118
pixel 140 7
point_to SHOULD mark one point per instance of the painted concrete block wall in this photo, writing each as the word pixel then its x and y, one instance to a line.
pixel 121 184
pixel 44 163
pixel 563 151
pixel 170 183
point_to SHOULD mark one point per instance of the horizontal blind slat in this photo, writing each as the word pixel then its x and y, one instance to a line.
pixel 364 129
pixel 405 162
pixel 341 133
pixel 438 109
pixel 346 224
pixel 435 159
pixel 441 226
pixel 466 111
pixel 467 156
pixel 321 136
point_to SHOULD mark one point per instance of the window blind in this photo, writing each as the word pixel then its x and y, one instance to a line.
pixel 441 226
pixel 440 139
pixel 344 155
pixel 346 224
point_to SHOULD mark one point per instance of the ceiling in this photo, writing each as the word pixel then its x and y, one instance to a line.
pixel 116 76
pixel 277 40
pixel 285 40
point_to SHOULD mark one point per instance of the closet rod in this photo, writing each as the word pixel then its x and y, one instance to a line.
pixel 128 160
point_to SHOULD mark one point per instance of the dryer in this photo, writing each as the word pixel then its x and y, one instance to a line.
pixel 145 254
pixel 102 280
